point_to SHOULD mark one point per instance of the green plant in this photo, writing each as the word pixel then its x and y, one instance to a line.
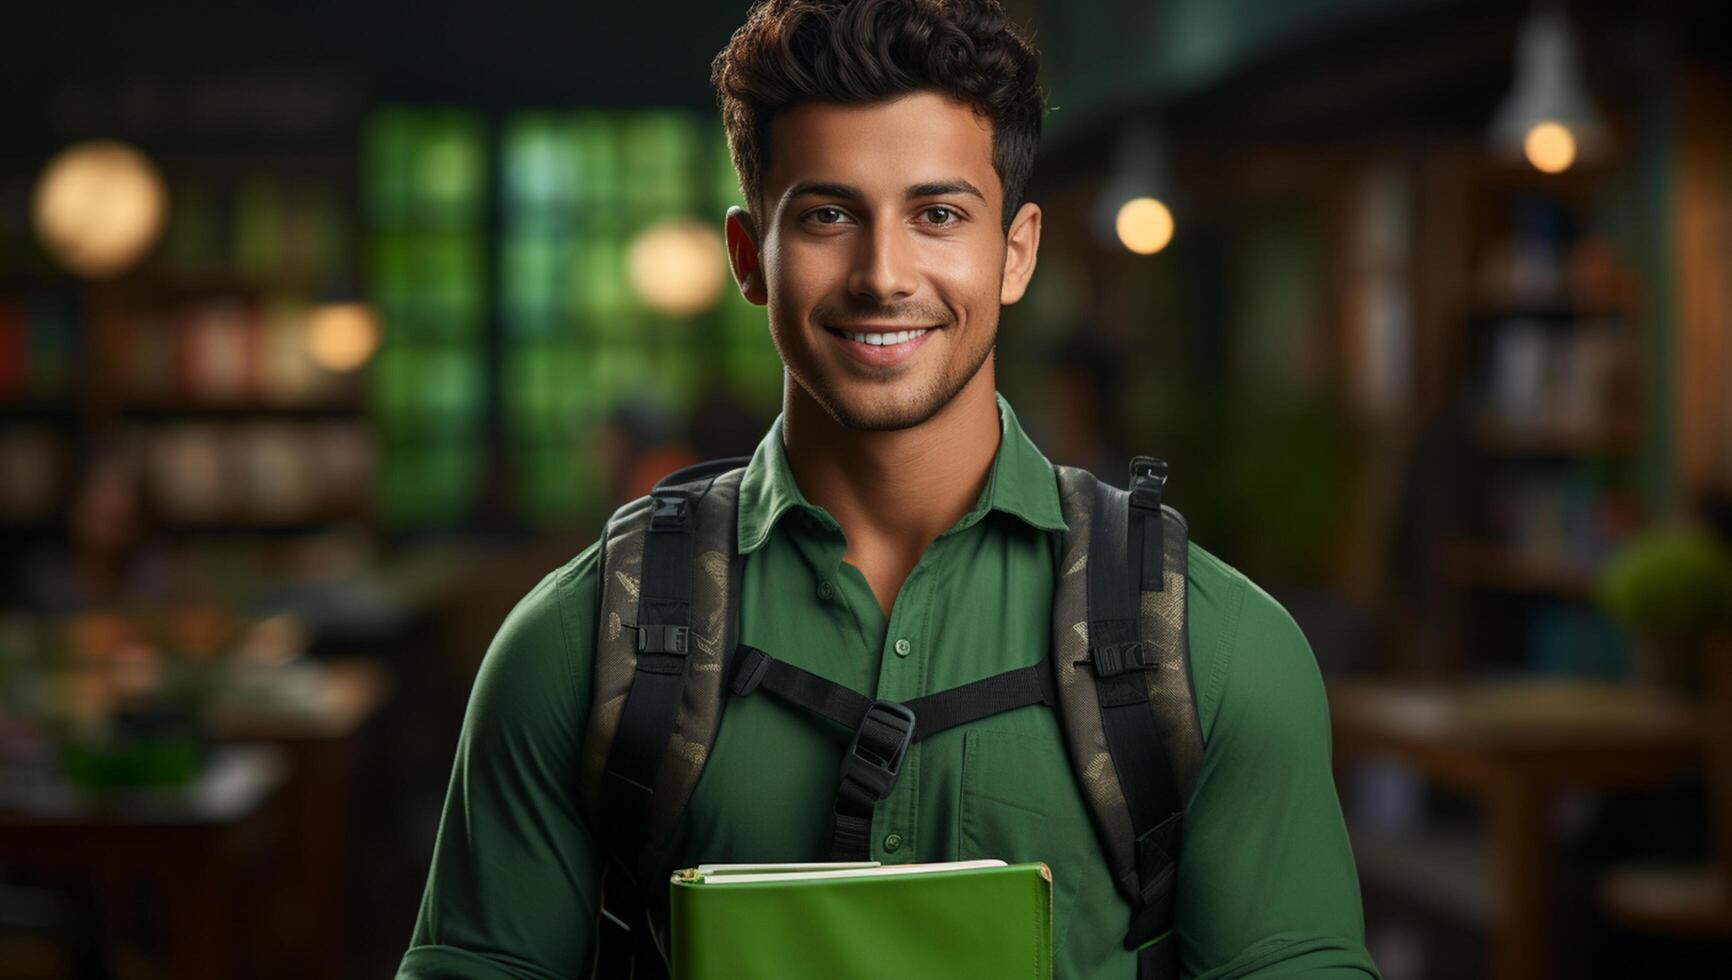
pixel 1671 579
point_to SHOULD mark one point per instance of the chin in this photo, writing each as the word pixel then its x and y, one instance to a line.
pixel 880 407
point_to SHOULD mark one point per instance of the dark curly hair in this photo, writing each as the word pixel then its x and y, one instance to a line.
pixel 794 51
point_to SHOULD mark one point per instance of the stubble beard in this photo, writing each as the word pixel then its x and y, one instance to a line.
pixel 890 415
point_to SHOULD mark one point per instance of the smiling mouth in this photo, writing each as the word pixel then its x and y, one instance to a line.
pixel 881 337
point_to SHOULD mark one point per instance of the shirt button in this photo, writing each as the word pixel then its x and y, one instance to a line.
pixel 825 590
pixel 892 841
pixel 902 647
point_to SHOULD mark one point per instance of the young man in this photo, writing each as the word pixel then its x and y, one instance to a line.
pixel 894 525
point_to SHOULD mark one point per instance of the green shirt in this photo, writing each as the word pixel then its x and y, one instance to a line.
pixel 1267 884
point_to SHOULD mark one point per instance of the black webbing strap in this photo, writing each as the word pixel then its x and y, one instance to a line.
pixel 663 632
pixel 1159 961
pixel 624 945
pixel 1119 563
pixel 941 711
pixel 984 698
pixel 883 730
pixel 1148 479
pixel 753 668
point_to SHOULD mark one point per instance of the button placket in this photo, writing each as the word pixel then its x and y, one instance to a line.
pixel 901 678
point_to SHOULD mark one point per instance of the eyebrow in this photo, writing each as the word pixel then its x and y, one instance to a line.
pixel 824 188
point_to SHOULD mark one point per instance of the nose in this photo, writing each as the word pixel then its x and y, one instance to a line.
pixel 883 266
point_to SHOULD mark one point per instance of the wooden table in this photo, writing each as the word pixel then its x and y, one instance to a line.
pixel 319 741
pixel 188 842
pixel 1513 745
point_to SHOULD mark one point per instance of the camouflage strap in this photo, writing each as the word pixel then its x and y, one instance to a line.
pixel 1124 689
pixel 659 660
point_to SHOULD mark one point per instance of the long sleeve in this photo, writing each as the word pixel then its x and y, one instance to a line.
pixel 512 888
pixel 1268 886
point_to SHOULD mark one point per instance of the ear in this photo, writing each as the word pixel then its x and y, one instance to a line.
pixel 745 257
pixel 1020 245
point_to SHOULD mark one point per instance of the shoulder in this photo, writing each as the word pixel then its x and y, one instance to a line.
pixel 534 676
pixel 1248 655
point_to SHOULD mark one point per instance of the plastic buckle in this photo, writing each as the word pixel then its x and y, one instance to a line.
pixel 1112 659
pixel 873 770
pixel 662 638
pixel 1148 479
pixel 669 510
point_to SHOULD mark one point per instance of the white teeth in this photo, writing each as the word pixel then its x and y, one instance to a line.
pixel 885 339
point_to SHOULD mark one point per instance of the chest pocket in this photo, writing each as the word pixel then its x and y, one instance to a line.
pixel 1020 803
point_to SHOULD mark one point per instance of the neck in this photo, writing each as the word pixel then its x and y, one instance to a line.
pixel 894 490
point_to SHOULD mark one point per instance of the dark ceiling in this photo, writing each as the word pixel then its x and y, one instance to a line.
pixel 495 53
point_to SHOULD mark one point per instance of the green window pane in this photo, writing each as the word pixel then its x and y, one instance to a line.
pixel 544 392
pixel 452 391
pixel 595 136
pixel 393 273
pixel 598 292
pixel 449 272
pixel 534 270
pixel 386 160
pixel 427 486
pixel 449 177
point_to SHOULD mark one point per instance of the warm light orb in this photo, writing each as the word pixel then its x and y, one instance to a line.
pixel 1145 226
pixel 342 336
pixel 99 206
pixel 678 267
pixel 1550 147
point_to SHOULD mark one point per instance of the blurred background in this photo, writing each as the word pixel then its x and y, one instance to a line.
pixel 326 331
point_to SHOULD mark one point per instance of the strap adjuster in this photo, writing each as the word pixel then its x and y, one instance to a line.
pixel 749 671
pixel 875 755
pixel 1112 659
pixel 669 510
pixel 1148 480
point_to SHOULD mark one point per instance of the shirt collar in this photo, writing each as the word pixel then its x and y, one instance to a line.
pixel 1021 483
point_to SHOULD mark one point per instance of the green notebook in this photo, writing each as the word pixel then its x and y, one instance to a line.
pixel 961 920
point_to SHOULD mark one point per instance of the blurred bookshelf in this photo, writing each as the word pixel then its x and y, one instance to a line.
pixel 492 251
pixel 192 367
pixel 1549 379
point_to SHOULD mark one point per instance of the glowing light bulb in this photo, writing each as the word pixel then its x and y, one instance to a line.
pixel 1550 147
pixel 98 208
pixel 678 267
pixel 342 336
pixel 1144 225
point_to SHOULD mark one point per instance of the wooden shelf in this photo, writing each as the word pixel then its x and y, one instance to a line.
pixel 1510 439
pixel 1562 311
pixel 1495 567
pixel 1691 901
pixel 242 410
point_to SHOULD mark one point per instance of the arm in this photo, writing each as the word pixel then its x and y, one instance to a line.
pixel 1267 887
pixel 512 888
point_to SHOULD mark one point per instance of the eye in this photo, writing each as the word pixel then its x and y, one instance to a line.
pixel 949 215
pixel 837 215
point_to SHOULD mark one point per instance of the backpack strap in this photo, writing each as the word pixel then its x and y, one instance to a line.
pixel 1121 664
pixel 668 613
pixel 883 730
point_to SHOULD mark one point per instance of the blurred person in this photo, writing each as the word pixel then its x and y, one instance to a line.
pixel 109 556
pixel 638 445
pixel 893 537
pixel 1081 401
pixel 721 423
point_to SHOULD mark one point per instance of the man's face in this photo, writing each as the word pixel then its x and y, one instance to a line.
pixel 880 254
